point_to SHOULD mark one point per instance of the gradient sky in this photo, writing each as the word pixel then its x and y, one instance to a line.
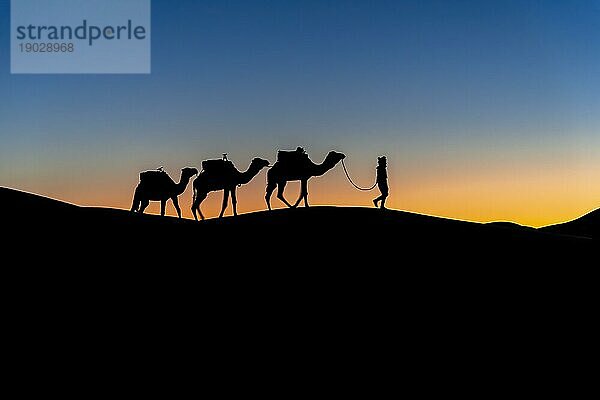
pixel 487 110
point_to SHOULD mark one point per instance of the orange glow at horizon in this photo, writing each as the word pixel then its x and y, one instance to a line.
pixel 485 111
pixel 534 198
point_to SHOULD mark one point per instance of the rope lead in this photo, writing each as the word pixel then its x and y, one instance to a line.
pixel 354 184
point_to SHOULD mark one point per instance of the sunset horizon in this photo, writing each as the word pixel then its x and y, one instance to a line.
pixel 485 112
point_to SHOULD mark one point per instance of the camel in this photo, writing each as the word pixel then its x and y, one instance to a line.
pixel 298 169
pixel 158 186
pixel 226 179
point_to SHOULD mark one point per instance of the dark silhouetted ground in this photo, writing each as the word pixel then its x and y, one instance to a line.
pixel 354 288
pixel 330 235
pixel 586 226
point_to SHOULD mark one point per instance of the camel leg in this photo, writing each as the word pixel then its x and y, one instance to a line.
pixel 270 188
pixel 143 205
pixel 304 192
pixel 234 200
pixel 136 201
pixel 196 206
pixel 176 204
pixel 298 201
pixel 163 206
pixel 225 201
pixel 280 189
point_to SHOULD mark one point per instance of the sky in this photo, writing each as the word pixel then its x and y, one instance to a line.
pixel 486 110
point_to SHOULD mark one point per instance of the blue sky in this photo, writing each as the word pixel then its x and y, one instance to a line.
pixel 435 85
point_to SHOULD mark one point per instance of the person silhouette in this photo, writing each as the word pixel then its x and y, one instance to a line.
pixel 382 183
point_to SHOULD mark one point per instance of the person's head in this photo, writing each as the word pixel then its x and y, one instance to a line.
pixel 382 161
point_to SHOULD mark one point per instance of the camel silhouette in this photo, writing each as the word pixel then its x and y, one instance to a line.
pixel 158 186
pixel 226 178
pixel 298 168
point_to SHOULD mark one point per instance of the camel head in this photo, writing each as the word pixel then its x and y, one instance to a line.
pixel 259 163
pixel 188 172
pixel 334 157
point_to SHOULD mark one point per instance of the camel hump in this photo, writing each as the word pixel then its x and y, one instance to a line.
pixel 292 157
pixel 217 166
pixel 157 176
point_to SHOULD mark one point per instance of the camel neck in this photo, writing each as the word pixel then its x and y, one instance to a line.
pixel 183 182
pixel 320 169
pixel 247 175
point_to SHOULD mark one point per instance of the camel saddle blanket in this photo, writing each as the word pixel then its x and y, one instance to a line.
pixel 293 157
pixel 154 176
pixel 217 166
